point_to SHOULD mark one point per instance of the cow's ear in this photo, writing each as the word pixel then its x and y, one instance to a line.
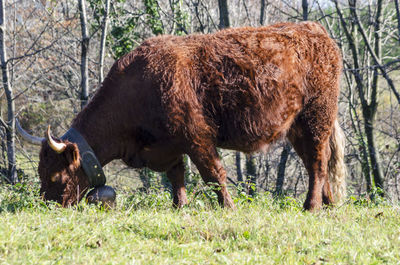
pixel 72 154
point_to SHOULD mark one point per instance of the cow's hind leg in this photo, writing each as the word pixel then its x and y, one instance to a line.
pixel 211 170
pixel 315 159
pixel 309 136
pixel 176 175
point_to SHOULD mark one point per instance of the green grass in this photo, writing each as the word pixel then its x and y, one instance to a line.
pixel 145 229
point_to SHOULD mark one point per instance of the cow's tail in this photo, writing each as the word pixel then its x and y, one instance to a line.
pixel 336 167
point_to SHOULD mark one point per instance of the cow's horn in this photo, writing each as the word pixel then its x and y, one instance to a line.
pixel 58 147
pixel 24 134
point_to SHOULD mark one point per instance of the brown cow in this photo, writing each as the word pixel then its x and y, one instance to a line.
pixel 241 89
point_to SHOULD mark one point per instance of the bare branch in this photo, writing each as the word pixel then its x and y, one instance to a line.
pixel 372 53
pixel 32 53
pixel 354 51
pixel 4 124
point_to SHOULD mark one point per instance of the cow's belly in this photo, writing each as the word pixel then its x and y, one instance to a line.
pixel 256 132
pixel 156 157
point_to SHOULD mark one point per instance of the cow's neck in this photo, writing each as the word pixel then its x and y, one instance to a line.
pixel 99 139
pixel 98 124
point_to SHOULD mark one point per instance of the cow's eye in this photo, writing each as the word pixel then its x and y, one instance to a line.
pixel 55 177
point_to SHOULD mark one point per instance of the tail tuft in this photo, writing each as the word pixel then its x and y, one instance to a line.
pixel 336 167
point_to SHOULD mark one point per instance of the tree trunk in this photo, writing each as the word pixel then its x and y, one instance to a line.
pixel 239 172
pixel 357 64
pixel 188 165
pixel 223 14
pixel 3 164
pixel 104 25
pixel 305 9
pixel 281 169
pixel 363 146
pixel 396 2
pixel 251 174
pixel 10 129
pixel 374 154
pixel 84 54
pixel 262 12
pixel 369 109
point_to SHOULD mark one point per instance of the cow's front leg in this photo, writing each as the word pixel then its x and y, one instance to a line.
pixel 176 175
pixel 209 165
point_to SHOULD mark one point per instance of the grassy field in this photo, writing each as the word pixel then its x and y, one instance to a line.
pixel 145 229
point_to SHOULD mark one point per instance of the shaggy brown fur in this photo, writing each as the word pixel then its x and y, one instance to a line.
pixel 240 88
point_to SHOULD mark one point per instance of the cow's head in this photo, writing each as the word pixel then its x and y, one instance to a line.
pixel 61 175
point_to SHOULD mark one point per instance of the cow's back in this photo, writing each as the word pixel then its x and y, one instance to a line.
pixel 253 82
pixel 242 86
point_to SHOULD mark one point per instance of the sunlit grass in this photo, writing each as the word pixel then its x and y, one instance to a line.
pixel 145 229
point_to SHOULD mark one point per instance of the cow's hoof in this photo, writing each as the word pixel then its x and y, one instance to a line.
pixel 312 205
pixel 229 204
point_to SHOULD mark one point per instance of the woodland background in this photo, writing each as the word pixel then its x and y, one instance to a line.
pixel 54 55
